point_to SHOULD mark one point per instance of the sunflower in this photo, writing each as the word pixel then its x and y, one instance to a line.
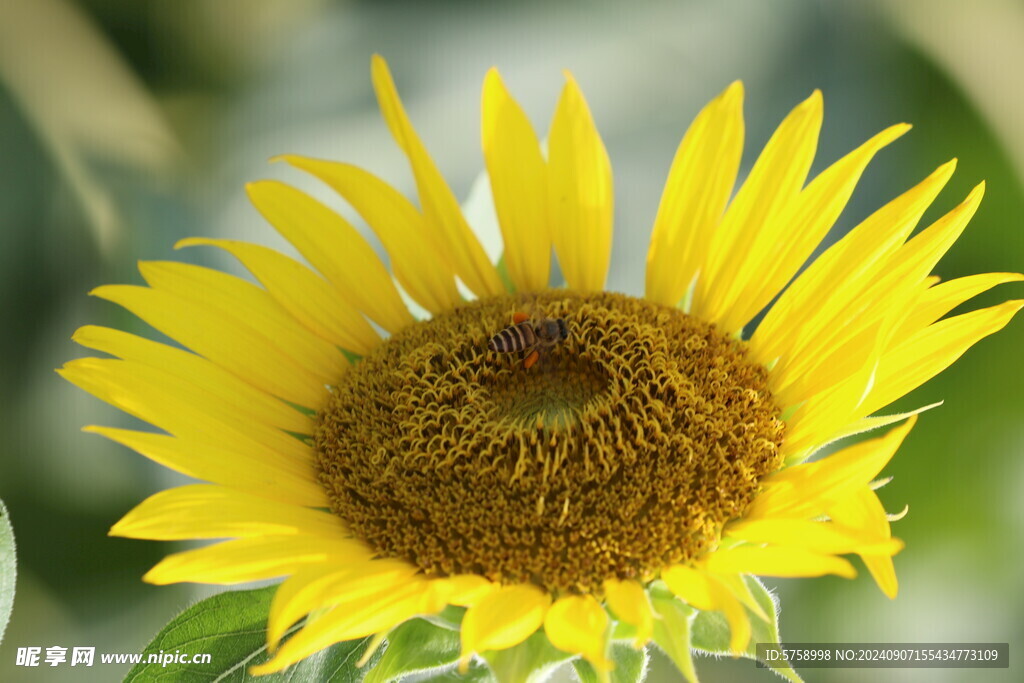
pixel 391 467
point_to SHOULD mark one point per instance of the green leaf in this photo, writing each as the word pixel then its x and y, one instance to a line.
pixel 8 569
pixel 711 630
pixel 630 666
pixel 231 627
pixel 415 646
pixel 528 662
pixel 672 630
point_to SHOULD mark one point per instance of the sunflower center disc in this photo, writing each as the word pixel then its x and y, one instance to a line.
pixel 623 450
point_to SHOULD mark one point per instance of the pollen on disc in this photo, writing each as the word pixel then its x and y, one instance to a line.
pixel 624 449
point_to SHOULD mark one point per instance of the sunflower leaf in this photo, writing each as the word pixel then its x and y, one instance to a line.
pixel 672 630
pixel 413 647
pixel 8 569
pixel 630 666
pixel 711 630
pixel 231 628
pixel 530 661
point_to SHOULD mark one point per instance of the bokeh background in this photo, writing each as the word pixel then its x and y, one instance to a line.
pixel 125 126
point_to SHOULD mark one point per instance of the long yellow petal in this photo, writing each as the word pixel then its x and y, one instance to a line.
pixel 773 184
pixel 580 199
pixel 629 601
pixel 351 584
pixel 819 537
pixel 696 193
pixel 310 299
pixel 824 291
pixel 252 346
pixel 897 282
pixel 205 511
pixel 864 511
pixel 578 624
pixel 518 175
pixel 244 560
pixel 943 298
pixel 468 589
pixel 778 561
pixel 333 247
pixel 241 469
pixel 932 350
pixel 461 247
pixel 785 242
pixel 503 619
pixel 348 621
pixel 419 265
pixel 226 390
pixel 172 403
pixel 805 491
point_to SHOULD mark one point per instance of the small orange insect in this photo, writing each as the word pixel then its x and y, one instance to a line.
pixel 529 337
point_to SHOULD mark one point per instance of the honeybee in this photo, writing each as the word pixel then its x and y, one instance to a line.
pixel 529 337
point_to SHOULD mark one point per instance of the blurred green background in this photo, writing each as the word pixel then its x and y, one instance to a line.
pixel 125 126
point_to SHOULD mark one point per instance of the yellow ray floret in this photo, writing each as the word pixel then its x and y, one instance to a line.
pixel 460 246
pixel 518 175
pixel 580 195
pixel 698 188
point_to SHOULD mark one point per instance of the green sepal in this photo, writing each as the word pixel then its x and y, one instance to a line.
pixel 8 569
pixel 672 629
pixel 630 666
pixel 530 661
pixel 232 628
pixel 414 647
pixel 711 630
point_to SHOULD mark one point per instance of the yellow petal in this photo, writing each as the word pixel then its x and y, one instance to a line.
pixel 943 298
pixel 864 511
pixel 226 390
pixel 269 363
pixel 171 402
pixel 932 350
pixel 333 247
pixel 691 585
pixel 245 559
pixel 739 622
pixel 355 586
pixel 460 246
pixel 629 601
pixel 706 592
pixel 503 619
pixel 896 284
pixel 773 184
pixel 578 624
pixel 310 299
pixel 820 297
pixel 776 561
pixel 580 195
pixel 239 470
pixel 805 491
pixel 468 589
pixel 419 265
pixel 204 511
pixel 818 537
pixel 518 175
pixel 696 193
pixel 786 240
pixel 348 621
